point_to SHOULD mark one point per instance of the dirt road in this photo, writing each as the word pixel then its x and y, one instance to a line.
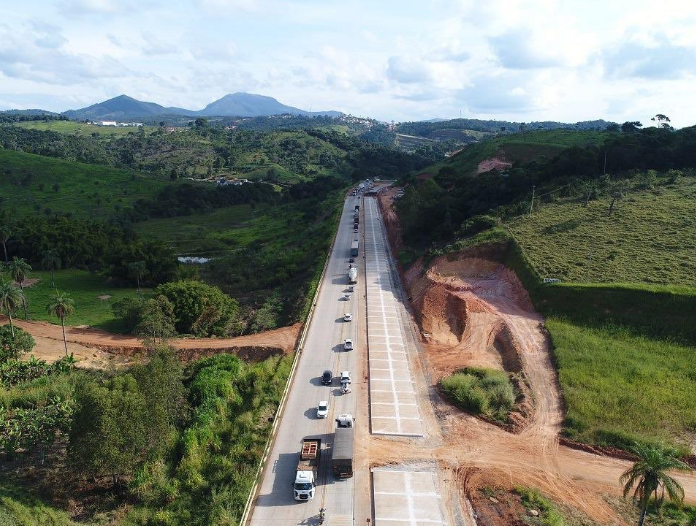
pixel 471 310
pixel 98 348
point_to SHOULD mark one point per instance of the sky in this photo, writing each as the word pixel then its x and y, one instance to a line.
pixel 401 60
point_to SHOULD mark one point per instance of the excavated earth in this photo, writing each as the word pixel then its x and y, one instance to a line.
pixel 471 310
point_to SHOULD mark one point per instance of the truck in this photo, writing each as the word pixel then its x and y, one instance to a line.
pixel 352 275
pixel 342 456
pixel 357 208
pixel 307 469
pixel 354 248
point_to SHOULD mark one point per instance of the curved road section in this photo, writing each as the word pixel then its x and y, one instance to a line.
pixel 323 350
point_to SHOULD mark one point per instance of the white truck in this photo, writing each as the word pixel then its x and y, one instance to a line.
pixel 307 469
pixel 353 275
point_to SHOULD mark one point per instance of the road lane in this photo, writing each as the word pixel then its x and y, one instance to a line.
pixel 323 349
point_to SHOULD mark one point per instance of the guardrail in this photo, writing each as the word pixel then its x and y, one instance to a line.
pixel 281 407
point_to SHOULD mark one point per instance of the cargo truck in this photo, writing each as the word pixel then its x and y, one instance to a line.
pixel 354 248
pixel 352 275
pixel 342 456
pixel 307 469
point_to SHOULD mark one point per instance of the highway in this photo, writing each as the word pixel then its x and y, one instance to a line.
pixel 322 350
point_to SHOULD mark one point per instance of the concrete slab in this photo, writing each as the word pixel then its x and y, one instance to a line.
pixel 406 498
pixel 391 383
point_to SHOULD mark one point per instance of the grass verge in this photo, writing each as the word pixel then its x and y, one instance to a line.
pixel 486 392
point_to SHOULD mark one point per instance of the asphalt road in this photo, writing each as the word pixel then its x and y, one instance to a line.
pixel 323 349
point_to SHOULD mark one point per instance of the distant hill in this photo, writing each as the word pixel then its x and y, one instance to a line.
pixel 122 107
pixel 251 105
pixel 240 104
pixel 28 112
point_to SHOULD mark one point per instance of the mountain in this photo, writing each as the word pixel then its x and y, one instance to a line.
pixel 124 107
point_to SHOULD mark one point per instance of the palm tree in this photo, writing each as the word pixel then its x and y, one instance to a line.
pixel 19 270
pixel 51 260
pixel 649 476
pixel 10 298
pixel 61 306
pixel 137 270
pixel 5 234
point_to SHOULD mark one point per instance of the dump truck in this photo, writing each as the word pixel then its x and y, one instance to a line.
pixel 342 456
pixel 353 275
pixel 354 248
pixel 307 469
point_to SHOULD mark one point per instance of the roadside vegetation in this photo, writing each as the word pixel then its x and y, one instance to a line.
pixel 486 392
pixel 168 445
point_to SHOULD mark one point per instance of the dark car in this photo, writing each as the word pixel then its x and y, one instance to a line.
pixel 351 260
pixel 327 377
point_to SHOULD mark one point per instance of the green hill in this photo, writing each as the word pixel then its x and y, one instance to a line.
pixel 650 237
pixel 36 184
pixel 519 147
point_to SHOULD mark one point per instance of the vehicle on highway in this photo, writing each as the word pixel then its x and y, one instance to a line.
pixel 345 377
pixel 347 317
pixel 327 377
pixel 342 452
pixel 307 469
pixel 351 289
pixel 354 248
pixel 353 275
pixel 345 388
pixel 355 230
pixel 351 260
pixel 323 409
pixel 346 297
pixel 348 345
pixel 345 420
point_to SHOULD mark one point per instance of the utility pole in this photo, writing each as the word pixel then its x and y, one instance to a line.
pixel 605 160
pixel 532 203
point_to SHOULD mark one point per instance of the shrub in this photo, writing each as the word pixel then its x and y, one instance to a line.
pixel 481 391
pixel 477 224
pixel 11 347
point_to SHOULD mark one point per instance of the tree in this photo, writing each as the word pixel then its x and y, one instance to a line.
pixel 14 342
pixel 200 309
pixel 662 121
pixel 51 260
pixel 156 319
pixel 19 270
pixel 649 476
pixel 5 234
pixel 631 126
pixel 617 190
pixel 137 270
pixel 10 300
pixel 61 306
pixel 109 431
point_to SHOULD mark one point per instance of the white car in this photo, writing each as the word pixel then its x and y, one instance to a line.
pixel 355 230
pixel 348 345
pixel 347 317
pixel 346 297
pixel 345 377
pixel 323 409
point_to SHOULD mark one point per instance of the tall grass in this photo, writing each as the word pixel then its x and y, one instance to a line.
pixel 481 391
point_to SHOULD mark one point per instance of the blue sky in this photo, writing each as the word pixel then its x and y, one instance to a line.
pixel 393 60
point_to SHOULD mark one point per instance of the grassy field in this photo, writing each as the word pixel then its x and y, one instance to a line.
pixel 204 234
pixel 619 387
pixel 79 128
pixel 649 238
pixel 32 184
pixel 519 147
pixel 85 289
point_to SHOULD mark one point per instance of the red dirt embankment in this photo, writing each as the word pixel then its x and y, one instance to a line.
pixel 96 348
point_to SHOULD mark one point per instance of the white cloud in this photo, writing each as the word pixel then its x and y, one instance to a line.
pixel 661 59
pixel 407 70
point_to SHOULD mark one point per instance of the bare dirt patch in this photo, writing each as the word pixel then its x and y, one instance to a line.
pixel 494 163
pixel 28 283
pixel 98 348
